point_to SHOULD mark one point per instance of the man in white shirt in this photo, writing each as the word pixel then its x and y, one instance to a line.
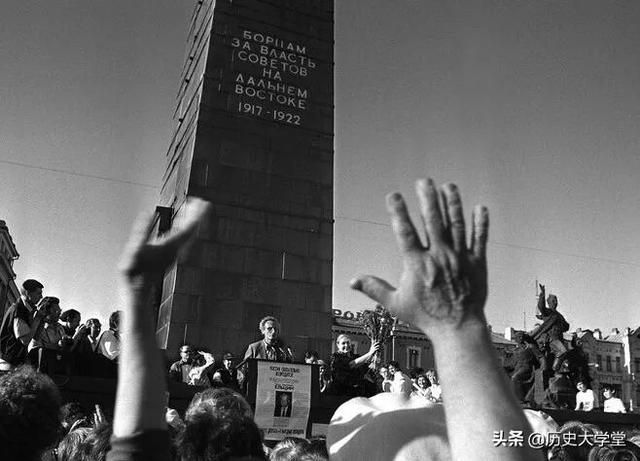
pixel 585 398
pixel 612 404
pixel 109 341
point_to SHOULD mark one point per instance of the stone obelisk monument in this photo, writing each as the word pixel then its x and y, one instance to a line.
pixel 253 135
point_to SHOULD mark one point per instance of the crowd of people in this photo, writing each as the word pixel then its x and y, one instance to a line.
pixel 36 331
pixel 346 374
pixel 442 291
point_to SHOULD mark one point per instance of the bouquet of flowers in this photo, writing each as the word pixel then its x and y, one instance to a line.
pixel 377 325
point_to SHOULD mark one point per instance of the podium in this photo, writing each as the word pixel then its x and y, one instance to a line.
pixel 282 396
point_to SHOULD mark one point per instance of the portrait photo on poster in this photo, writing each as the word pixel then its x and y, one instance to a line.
pixel 283 404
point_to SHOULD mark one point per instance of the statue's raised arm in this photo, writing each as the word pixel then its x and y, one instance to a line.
pixel 542 306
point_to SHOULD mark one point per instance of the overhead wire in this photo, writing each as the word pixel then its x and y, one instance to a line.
pixel 520 247
pixel 75 173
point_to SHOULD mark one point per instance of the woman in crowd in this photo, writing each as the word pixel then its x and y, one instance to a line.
pixel 85 348
pixel 347 369
pixel 400 381
pixel 421 389
pixel 386 381
pixel 93 328
pixel 325 377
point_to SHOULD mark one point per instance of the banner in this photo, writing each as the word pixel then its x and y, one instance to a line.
pixel 283 398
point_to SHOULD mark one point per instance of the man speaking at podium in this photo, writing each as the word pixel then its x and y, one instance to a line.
pixel 270 347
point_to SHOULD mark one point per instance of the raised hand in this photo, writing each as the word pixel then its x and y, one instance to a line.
pixel 81 331
pixel 443 286
pixel 98 417
pixel 140 397
pixel 142 255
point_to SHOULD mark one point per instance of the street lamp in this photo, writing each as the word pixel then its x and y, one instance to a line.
pixel 393 338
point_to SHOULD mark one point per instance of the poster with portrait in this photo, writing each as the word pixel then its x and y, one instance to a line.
pixel 283 398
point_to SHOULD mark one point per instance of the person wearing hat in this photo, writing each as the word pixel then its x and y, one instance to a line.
pixel 226 375
pixel 19 325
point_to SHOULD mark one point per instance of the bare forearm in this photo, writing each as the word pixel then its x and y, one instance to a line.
pixel 542 307
pixel 141 383
pixel 362 359
pixel 474 389
pixel 140 399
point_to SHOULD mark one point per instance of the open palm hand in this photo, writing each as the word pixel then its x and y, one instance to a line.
pixel 443 285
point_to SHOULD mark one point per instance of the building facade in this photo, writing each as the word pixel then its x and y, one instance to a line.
pixel 407 344
pixel 614 359
pixel 9 292
pixel 631 345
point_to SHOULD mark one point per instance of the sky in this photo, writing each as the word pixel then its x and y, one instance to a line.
pixel 532 108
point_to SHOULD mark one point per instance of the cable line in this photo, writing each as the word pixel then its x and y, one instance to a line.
pixel 73 173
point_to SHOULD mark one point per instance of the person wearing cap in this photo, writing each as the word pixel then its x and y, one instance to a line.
pixel 19 325
pixel 226 375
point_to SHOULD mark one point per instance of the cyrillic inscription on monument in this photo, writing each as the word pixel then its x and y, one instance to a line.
pixel 269 77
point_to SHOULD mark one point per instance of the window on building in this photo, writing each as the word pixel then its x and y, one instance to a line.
pixel 599 361
pixel 637 363
pixel 618 366
pixel 608 363
pixel 413 357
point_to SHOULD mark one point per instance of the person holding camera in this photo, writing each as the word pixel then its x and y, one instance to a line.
pixel 85 347
pixel 50 339
pixel 193 367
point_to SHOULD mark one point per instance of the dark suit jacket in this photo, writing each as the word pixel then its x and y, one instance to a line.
pixel 258 350
pixel 278 410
